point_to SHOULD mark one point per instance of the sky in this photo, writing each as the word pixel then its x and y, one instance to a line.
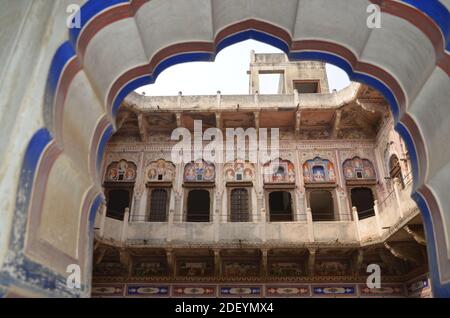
pixel 227 74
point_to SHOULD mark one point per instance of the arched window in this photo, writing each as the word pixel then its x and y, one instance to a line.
pixel 239 211
pixel 395 171
pixel 362 199
pixel 280 204
pixel 198 205
pixel 119 183
pixel 118 200
pixel 322 205
pixel 158 205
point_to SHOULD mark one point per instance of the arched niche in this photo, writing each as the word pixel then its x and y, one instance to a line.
pixel 319 170
pixel 199 171
pixel 358 170
pixel 121 171
pixel 160 171
pixel 239 171
pixel 279 171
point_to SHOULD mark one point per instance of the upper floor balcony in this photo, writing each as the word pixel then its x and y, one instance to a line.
pixel 389 214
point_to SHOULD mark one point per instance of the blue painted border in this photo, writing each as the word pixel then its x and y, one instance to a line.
pixel 439 290
pixel 27 273
pixel 64 54
pixel 42 277
pixel 107 133
pixel 88 11
pixel 438 13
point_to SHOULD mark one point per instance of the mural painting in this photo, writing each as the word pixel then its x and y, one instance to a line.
pixel 279 171
pixel 237 268
pixel 283 269
pixel 239 171
pixel 199 171
pixel 195 268
pixel 144 269
pixel 121 171
pixel 319 170
pixel 358 168
pixel 160 170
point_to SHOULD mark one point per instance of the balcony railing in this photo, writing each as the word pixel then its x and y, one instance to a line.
pixel 279 227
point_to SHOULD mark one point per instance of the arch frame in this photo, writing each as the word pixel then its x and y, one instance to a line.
pixel 68 61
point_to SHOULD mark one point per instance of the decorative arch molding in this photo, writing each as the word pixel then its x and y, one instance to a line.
pixel 160 170
pixel 121 171
pixel 199 171
pixel 279 171
pixel 358 168
pixel 239 170
pixel 428 22
pixel 319 170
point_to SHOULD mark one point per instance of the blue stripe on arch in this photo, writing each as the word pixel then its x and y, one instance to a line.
pixel 252 35
pixel 33 154
pixel 146 80
pixel 438 13
pixel 88 11
pixel 127 89
pixel 93 211
pixel 101 147
pixel 62 56
pixel 354 76
pixel 439 290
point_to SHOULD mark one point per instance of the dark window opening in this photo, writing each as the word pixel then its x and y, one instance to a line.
pixel 322 206
pixel 239 205
pixel 395 171
pixel 362 199
pixel 198 205
pixel 158 205
pixel 309 87
pixel 118 201
pixel 280 204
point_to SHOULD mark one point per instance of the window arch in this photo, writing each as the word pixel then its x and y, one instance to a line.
pixel 319 170
pixel 358 169
pixel 199 171
pixel 239 170
pixel 239 205
pixel 121 171
pixel 160 171
pixel 119 183
pixel 279 171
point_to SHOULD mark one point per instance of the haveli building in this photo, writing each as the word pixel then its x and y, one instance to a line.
pixel 306 224
pixel 63 80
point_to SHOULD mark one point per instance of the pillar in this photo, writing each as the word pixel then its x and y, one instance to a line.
pixel 356 222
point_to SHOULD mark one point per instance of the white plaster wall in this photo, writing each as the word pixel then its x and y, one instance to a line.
pixel 22 90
